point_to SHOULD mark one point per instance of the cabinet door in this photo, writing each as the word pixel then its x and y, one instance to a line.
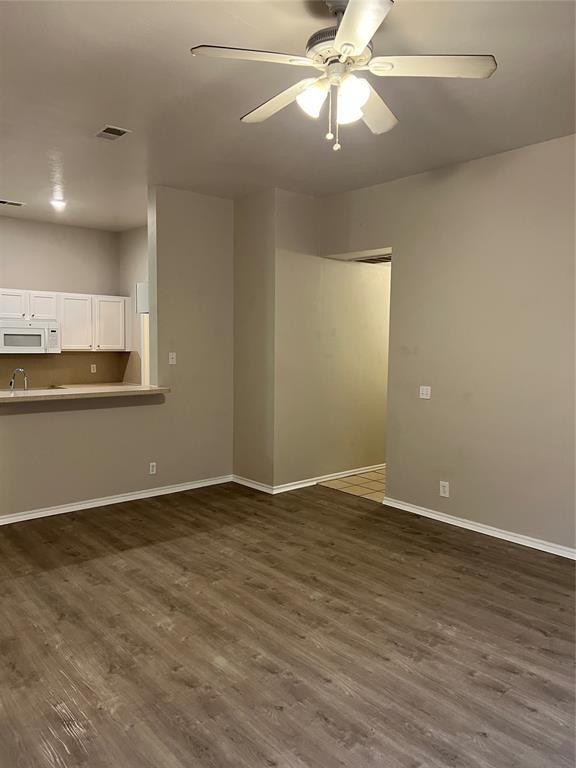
pixel 109 331
pixel 13 304
pixel 76 321
pixel 43 306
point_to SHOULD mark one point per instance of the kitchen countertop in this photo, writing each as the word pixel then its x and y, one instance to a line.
pixel 80 392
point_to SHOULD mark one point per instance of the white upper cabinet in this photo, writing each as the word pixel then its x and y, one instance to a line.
pixel 28 305
pixel 109 323
pixel 76 321
pixel 13 304
pixel 87 322
pixel 42 305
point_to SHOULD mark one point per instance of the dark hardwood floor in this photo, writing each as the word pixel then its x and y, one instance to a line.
pixel 226 628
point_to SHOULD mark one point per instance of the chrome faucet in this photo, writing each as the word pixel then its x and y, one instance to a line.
pixel 13 379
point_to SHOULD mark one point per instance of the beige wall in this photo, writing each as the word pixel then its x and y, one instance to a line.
pixel 133 268
pixel 310 348
pixel 80 451
pixel 254 275
pixel 482 309
pixel 193 317
pixel 331 353
pixel 55 257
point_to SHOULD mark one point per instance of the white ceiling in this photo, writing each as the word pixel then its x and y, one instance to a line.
pixel 68 68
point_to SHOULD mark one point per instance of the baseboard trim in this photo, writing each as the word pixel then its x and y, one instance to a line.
pixel 488 530
pixel 274 489
pixel 460 522
pixel 105 501
pixel 253 484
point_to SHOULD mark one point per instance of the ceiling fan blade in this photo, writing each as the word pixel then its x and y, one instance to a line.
pixel 433 66
pixel 246 54
pixel 276 103
pixel 377 116
pixel 359 24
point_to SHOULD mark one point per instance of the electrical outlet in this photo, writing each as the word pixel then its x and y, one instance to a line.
pixel 171 358
pixel 152 467
pixel 93 368
pixel 425 392
pixel 445 489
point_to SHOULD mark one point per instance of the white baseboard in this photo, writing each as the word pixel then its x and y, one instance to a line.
pixel 105 501
pixel 488 530
pixel 273 489
pixel 253 484
pixel 460 522
pixel 147 493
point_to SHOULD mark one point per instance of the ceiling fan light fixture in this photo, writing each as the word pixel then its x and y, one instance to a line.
pixel 353 93
pixel 312 99
pixel 340 50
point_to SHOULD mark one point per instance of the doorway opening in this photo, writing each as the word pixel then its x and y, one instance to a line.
pixel 369 284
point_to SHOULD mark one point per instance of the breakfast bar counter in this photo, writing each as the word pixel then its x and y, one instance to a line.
pixel 80 392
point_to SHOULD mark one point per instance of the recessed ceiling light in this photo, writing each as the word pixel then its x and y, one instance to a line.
pixel 58 205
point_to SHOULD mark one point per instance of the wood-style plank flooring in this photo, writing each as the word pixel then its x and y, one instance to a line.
pixel 222 627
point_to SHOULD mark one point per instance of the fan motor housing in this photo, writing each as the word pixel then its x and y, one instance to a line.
pixel 336 6
pixel 320 47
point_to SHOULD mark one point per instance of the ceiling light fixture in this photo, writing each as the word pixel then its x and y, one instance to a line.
pixel 58 205
pixel 312 99
pixel 336 52
pixel 352 93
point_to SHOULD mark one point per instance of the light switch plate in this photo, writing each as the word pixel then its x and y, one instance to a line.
pixel 171 358
pixel 425 392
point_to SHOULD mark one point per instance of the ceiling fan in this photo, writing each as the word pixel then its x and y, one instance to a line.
pixel 338 53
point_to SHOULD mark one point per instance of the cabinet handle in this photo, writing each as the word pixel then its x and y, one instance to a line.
pixel 33 315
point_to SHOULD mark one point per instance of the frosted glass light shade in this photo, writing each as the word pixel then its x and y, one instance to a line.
pixel 312 99
pixel 353 93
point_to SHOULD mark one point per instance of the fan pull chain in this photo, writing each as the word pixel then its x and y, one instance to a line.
pixel 337 146
pixel 330 135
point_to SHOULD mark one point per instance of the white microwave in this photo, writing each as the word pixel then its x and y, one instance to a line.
pixel 26 337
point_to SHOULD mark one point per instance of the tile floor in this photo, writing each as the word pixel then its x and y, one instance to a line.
pixel 369 485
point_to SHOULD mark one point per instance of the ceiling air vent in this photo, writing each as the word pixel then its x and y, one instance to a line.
pixel 112 132
pixel 375 256
pixel 382 259
pixel 13 203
